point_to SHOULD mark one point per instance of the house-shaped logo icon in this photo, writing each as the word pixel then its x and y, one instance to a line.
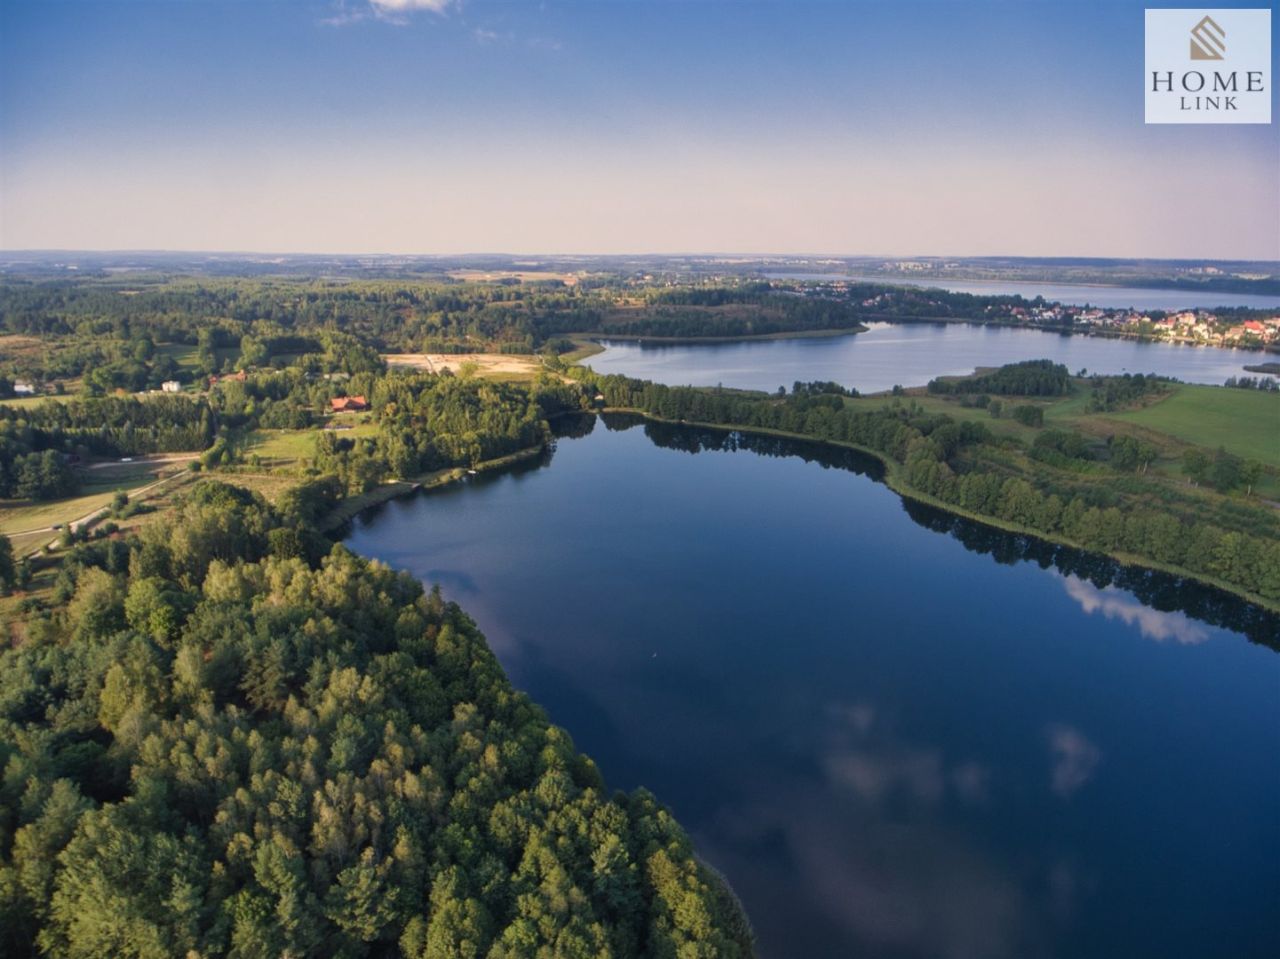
pixel 1208 40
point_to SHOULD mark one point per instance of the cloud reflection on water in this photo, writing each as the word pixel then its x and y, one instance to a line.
pixel 1113 603
pixel 1075 759
pixel 877 846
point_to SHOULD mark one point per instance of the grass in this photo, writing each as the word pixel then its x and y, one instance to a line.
pixel 290 446
pixel 284 444
pixel 18 515
pixel 583 348
pixel 270 485
pixel 1245 422
pixel 931 403
pixel 97 488
pixel 29 401
pixel 183 354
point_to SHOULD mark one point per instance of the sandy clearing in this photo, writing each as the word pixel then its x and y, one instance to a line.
pixel 486 364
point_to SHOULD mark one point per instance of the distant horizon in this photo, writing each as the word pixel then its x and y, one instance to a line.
pixel 638 254
pixel 410 126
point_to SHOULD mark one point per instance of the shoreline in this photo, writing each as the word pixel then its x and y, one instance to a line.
pixel 1061 330
pixel 594 341
pixel 893 479
pixel 352 506
pixel 597 337
pixel 1151 285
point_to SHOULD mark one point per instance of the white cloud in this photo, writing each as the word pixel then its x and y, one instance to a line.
pixel 1152 623
pixel 406 6
pixel 1075 759
pixel 389 11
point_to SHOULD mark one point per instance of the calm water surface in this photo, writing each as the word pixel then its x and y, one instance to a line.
pixel 898 735
pixel 910 354
pixel 1075 294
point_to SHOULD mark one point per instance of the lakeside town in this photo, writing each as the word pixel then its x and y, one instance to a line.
pixel 1197 327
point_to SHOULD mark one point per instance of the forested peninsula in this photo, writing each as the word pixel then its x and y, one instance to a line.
pixel 226 737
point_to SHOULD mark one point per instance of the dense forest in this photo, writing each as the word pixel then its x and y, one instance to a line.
pixel 226 739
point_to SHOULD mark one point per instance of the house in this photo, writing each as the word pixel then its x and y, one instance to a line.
pixel 23 389
pixel 237 377
pixel 348 404
pixel 1250 326
pixel 171 386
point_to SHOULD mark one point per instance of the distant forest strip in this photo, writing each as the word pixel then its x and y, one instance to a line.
pixel 137 332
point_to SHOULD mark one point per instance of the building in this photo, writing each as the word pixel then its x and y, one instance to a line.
pixel 23 389
pixel 238 377
pixel 171 386
pixel 348 404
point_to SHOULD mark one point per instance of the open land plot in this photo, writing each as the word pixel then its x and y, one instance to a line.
pixel 488 365
pixel 1244 422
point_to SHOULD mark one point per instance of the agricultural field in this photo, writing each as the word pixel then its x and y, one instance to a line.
pixel 1245 422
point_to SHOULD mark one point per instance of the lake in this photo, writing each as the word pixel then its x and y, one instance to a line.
pixel 897 733
pixel 1075 294
pixel 909 354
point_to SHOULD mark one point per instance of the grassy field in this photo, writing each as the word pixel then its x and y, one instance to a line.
pixel 1245 422
pixel 283 444
pixel 289 446
pixel 270 484
pixel 182 353
pixel 1004 426
pixel 186 355
pixel 25 401
pixel 17 517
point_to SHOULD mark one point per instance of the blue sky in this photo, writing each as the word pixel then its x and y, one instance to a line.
pixel 610 126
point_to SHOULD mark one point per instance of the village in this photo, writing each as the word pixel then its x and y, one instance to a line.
pixel 1194 327
pixel 1189 326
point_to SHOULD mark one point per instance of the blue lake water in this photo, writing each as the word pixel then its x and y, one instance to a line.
pixel 898 734
pixel 910 354
pixel 1075 294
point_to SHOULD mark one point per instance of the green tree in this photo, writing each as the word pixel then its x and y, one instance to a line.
pixel 8 571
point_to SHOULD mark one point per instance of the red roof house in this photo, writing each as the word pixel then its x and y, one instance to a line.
pixel 348 404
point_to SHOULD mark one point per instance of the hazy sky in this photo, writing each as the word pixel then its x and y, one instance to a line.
pixel 611 126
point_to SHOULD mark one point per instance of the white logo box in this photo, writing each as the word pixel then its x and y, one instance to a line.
pixel 1208 65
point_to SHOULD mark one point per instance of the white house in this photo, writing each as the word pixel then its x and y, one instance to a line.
pixel 24 389
pixel 171 386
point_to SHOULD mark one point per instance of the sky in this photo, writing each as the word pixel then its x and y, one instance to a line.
pixel 611 126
